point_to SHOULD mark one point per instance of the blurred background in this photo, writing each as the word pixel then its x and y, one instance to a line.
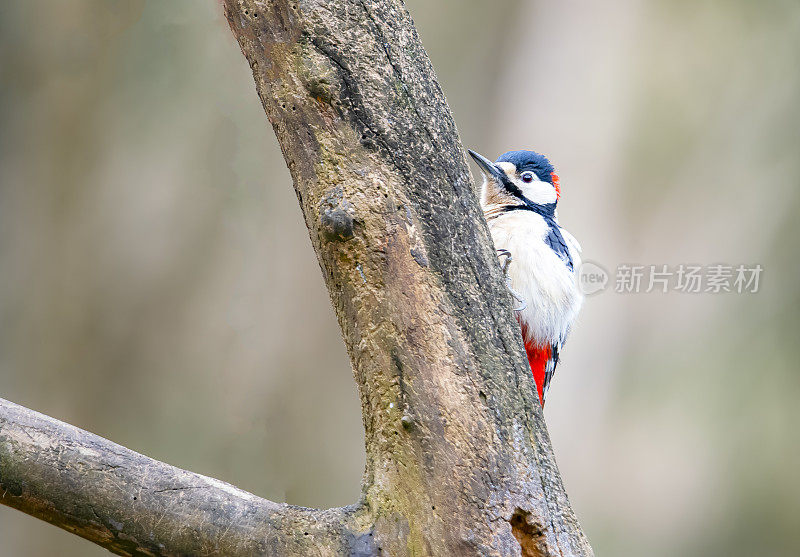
pixel 158 287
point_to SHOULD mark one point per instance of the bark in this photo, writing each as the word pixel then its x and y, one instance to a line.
pixel 458 457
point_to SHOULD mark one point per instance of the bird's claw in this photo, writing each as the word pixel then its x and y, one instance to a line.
pixel 504 266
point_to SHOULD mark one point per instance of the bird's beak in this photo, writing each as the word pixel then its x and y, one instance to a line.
pixel 487 167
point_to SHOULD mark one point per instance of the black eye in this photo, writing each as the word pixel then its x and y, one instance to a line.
pixel 527 177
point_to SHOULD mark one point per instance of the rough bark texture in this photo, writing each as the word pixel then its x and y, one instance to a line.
pixel 458 457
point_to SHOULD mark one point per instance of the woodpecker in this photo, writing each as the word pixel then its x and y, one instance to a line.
pixel 519 196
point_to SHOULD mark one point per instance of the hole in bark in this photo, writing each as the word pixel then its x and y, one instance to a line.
pixel 482 396
pixel 528 534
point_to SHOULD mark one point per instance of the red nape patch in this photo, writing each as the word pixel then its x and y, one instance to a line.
pixel 537 359
pixel 556 184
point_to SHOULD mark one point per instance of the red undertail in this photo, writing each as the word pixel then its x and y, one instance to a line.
pixel 538 357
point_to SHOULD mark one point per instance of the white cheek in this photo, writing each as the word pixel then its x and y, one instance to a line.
pixel 538 192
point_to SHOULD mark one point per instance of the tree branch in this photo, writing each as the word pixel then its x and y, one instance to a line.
pixel 134 505
pixel 458 457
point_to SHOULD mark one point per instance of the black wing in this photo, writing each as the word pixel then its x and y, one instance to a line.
pixel 556 241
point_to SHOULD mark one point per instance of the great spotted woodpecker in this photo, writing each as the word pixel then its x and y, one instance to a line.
pixel 519 196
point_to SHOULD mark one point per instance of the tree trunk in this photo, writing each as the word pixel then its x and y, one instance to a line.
pixel 458 457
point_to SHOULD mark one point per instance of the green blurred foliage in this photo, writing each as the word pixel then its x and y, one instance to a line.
pixel 157 285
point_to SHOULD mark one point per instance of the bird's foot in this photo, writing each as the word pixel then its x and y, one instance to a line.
pixel 504 266
pixel 517 296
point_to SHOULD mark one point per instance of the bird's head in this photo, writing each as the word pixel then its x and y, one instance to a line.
pixel 518 177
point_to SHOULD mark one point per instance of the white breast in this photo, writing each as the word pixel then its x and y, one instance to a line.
pixel 537 273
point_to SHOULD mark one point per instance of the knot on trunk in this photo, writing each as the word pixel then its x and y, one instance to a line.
pixel 336 216
pixel 529 534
